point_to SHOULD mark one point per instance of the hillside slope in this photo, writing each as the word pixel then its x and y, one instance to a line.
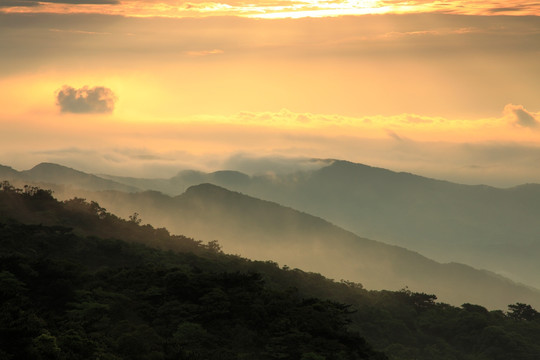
pixel 482 226
pixel 50 175
pixel 67 296
pixel 264 230
pixel 68 293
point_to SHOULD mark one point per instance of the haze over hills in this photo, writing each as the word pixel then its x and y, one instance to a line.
pixel 54 174
pixel 264 230
pixel 483 226
pixel 80 283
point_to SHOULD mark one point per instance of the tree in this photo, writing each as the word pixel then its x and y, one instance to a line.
pixel 135 218
pixel 45 347
pixel 214 246
pixel 520 311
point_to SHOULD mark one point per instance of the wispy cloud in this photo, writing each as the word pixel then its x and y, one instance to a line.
pixel 494 163
pixel 73 31
pixel 495 151
pixel 197 53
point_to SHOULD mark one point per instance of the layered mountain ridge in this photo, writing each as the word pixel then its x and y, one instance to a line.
pixel 479 225
pixel 268 231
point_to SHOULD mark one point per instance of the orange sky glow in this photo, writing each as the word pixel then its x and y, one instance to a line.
pixel 446 89
pixel 274 9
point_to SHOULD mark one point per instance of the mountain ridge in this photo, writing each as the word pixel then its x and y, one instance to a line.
pixel 488 227
pixel 165 219
pixel 262 230
pixel 47 173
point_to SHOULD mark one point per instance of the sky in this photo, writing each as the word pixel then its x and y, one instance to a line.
pixel 446 89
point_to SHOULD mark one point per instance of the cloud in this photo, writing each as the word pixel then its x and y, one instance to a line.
pixel 81 2
pixel 271 164
pixel 279 8
pixel 506 9
pixel 79 32
pixel 18 3
pixel 522 117
pixel 85 100
pixel 204 52
pixel 32 3
pixel 415 119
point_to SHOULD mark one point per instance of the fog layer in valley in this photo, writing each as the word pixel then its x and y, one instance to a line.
pixel 483 226
pixel 264 230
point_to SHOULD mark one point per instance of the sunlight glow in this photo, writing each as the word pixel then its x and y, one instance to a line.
pixel 282 8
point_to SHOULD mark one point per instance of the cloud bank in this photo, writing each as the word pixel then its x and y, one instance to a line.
pixel 493 151
pixel 86 100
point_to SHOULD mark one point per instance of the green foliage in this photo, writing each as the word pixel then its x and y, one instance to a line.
pixel 45 347
pixel 156 311
pixel 145 304
pixel 70 289
pixel 521 311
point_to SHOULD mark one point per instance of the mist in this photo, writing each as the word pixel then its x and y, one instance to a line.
pixel 263 230
pixel 490 163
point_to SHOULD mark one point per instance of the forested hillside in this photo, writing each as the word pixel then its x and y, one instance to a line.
pixel 80 283
pixel 260 230
pixel 481 226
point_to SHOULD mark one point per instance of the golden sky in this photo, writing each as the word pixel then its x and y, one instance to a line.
pixel 446 89
pixel 270 9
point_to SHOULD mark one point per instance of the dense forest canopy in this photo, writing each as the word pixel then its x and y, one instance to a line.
pixel 78 282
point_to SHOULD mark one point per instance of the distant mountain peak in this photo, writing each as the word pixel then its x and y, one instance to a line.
pixel 204 187
pixel 7 169
pixel 189 172
pixel 47 166
pixel 229 172
pixel 52 173
pixel 207 189
pixel 348 165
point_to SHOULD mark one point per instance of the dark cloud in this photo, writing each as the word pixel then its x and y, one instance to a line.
pixel 506 9
pixel 30 3
pixel 522 117
pixel 81 1
pixel 17 3
pixel 85 100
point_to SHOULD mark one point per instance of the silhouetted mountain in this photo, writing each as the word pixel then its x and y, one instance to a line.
pixel 487 227
pixel 7 172
pixel 51 175
pixel 264 230
pixel 185 178
pixel 366 197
